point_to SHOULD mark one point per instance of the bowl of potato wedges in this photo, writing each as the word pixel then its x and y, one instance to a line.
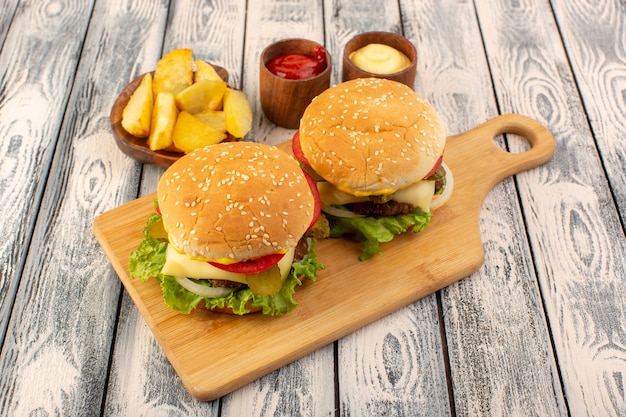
pixel 184 104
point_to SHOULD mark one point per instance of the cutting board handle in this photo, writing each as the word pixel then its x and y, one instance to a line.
pixel 541 140
pixel 506 163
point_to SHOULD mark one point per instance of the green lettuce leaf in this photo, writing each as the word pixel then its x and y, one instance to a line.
pixel 149 257
pixel 371 231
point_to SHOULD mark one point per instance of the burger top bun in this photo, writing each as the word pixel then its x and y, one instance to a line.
pixel 235 201
pixel 371 136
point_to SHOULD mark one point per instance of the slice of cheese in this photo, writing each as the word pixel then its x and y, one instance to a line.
pixel 331 195
pixel 419 195
pixel 177 264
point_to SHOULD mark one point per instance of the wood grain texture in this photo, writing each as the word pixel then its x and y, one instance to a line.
pixel 303 388
pixel 594 35
pixel 572 207
pixel 143 382
pixel 38 366
pixel 7 10
pixel 595 40
pixel 395 366
pixel 28 142
pixel 491 374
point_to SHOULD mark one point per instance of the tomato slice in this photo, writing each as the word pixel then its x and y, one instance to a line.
pixel 296 148
pixel 316 196
pixel 434 169
pixel 253 266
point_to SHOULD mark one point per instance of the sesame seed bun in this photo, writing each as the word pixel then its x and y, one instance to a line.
pixel 234 202
pixel 371 136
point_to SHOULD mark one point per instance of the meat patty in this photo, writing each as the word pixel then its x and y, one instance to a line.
pixel 227 284
pixel 389 208
pixel 302 248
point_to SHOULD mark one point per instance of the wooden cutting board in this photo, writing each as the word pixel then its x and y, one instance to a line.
pixel 215 354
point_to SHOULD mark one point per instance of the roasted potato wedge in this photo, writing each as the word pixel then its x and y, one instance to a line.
pixel 164 117
pixel 214 118
pixel 237 112
pixel 137 114
pixel 187 106
pixel 205 71
pixel 174 72
pixel 191 133
pixel 202 95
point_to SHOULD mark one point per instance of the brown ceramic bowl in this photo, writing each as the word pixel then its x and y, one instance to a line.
pixel 283 100
pixel 137 148
pixel 351 71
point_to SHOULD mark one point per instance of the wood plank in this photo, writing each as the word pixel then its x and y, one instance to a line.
pixel 595 40
pixel 29 125
pixel 51 360
pixel 303 388
pixel 7 10
pixel 393 366
pixel 573 236
pixel 491 373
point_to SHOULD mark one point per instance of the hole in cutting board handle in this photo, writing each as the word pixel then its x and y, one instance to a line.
pixel 512 143
pixel 530 144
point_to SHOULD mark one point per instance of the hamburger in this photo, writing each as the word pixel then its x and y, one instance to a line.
pixel 376 148
pixel 229 231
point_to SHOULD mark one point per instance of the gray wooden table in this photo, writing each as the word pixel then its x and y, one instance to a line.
pixel 539 330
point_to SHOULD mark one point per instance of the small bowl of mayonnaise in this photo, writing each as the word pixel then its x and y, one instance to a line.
pixel 381 55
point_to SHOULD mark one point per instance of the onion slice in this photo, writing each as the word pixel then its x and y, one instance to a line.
pixel 337 212
pixel 203 290
pixel 443 198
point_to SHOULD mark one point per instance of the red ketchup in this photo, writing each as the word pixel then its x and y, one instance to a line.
pixel 298 66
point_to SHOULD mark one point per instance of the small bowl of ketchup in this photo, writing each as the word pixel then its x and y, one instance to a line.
pixel 292 73
pixel 381 55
